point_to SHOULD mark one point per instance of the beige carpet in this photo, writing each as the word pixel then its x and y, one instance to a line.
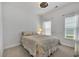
pixel 19 51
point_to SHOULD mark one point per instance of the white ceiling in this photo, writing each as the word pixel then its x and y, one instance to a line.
pixel 51 6
pixel 35 6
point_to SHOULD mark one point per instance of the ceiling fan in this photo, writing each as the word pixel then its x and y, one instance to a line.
pixel 43 4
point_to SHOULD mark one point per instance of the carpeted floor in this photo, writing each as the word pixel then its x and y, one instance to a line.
pixel 19 51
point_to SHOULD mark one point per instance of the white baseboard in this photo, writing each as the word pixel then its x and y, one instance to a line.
pixel 67 44
pixel 14 45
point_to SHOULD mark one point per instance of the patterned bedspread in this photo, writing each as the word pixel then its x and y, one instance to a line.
pixel 40 46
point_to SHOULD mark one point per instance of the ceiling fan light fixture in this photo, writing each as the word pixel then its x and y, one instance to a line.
pixel 43 4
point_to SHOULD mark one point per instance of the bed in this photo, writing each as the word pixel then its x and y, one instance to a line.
pixel 40 45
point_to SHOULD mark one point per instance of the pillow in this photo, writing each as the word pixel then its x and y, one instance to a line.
pixel 27 33
pixel 34 33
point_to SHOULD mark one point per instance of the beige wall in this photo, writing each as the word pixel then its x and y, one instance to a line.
pixel 17 17
pixel 1 31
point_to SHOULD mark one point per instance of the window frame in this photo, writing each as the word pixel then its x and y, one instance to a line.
pixel 76 17
pixel 44 33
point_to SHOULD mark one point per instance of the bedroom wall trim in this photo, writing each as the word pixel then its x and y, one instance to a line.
pixel 66 42
pixel 69 45
pixel 14 45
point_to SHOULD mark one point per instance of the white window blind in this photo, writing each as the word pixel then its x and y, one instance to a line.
pixel 71 27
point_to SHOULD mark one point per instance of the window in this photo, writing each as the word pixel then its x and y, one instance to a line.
pixel 47 28
pixel 71 27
